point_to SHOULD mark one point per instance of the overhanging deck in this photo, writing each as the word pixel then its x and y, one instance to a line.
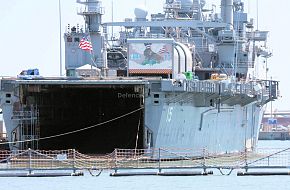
pixel 84 82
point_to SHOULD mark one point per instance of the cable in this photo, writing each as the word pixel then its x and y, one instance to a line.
pixel 76 131
pixel 137 136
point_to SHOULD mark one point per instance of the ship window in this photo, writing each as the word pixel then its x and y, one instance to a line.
pixel 212 102
pixel 8 102
pixel 207 76
pixel 69 39
pixel 156 95
pixel 8 95
pixel 156 102
pixel 77 39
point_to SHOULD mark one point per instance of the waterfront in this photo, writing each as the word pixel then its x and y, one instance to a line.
pixel 104 181
pixel 148 182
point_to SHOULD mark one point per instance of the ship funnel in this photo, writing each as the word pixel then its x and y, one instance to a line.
pixel 227 12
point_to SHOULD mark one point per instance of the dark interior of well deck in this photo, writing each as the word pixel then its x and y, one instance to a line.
pixel 66 108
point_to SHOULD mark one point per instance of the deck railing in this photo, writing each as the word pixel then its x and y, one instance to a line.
pixel 159 159
pixel 263 90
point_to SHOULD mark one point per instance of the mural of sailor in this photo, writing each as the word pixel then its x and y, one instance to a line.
pixel 151 57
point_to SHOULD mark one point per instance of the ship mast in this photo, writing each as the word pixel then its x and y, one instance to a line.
pixel 227 12
pixel 92 14
pixel 60 40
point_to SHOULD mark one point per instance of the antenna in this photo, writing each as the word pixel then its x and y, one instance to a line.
pixel 112 20
pixel 257 14
pixel 60 39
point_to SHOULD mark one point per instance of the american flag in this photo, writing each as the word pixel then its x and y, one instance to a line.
pixel 163 50
pixel 85 44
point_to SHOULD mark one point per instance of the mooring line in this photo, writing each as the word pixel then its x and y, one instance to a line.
pixel 95 175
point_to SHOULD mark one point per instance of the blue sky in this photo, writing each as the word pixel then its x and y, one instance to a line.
pixel 30 34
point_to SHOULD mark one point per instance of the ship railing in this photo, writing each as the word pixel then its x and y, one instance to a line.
pixel 266 88
pixel 246 64
pixel 31 159
pixel 92 9
pixel 269 157
pixel 97 10
pixel 263 90
pixel 270 90
pixel 172 158
pixel 149 35
pixel 258 35
pixel 201 86
pixel 200 159
pixel 151 158
pixel 23 115
pixel 174 5
pixel 219 87
pixel 242 88
pixel 35 160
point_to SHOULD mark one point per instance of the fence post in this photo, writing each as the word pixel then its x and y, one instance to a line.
pixel 29 162
pixel 115 158
pixel 204 160
pixel 246 160
pixel 159 160
pixel 137 157
pixel 74 160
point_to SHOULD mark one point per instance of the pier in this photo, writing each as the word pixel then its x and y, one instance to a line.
pixel 131 162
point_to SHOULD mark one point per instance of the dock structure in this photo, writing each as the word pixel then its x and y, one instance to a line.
pixel 136 162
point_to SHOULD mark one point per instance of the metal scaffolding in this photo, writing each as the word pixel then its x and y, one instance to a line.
pixel 28 127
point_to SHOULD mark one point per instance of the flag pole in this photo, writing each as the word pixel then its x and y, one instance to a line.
pixel 60 39
pixel 92 51
pixel 112 35
pixel 93 61
pixel 86 44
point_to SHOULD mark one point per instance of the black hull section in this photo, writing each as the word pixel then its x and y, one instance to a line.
pixel 67 108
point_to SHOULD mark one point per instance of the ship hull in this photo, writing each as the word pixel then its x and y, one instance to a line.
pixel 99 116
pixel 232 129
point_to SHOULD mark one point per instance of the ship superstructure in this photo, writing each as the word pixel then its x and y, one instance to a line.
pixel 186 78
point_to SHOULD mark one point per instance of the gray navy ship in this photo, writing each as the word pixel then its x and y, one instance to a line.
pixel 187 78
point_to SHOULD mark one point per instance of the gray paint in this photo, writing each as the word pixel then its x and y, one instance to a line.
pixel 220 116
